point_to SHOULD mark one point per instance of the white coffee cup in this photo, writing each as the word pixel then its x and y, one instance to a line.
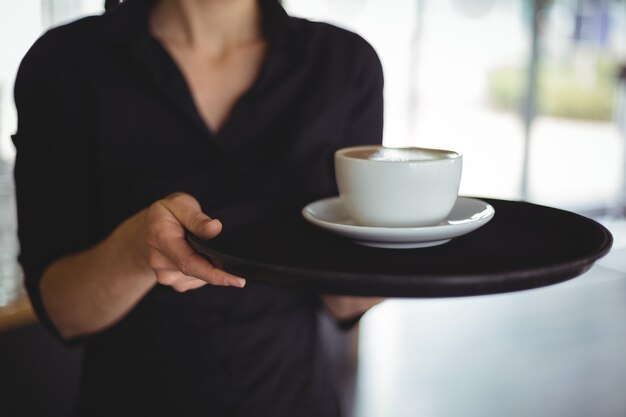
pixel 397 187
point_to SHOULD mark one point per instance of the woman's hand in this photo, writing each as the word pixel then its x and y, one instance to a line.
pixel 173 261
pixel 89 291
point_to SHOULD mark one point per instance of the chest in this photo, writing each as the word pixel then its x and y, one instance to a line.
pixel 217 83
pixel 279 141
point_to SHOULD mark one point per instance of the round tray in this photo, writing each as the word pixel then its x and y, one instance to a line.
pixel 524 246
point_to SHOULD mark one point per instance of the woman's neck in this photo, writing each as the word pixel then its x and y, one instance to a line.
pixel 213 26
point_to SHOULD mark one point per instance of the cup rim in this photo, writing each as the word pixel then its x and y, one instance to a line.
pixel 450 155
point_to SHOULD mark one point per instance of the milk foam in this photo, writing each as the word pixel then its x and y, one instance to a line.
pixel 401 154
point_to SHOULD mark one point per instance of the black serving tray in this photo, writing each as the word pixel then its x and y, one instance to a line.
pixel 524 246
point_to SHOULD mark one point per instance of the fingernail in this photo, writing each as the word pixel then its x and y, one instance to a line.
pixel 239 282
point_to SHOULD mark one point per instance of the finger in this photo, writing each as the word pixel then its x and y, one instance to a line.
pixel 191 264
pixel 188 212
pixel 178 281
pixel 170 278
pixel 189 285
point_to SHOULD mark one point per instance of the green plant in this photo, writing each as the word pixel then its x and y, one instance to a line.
pixel 561 91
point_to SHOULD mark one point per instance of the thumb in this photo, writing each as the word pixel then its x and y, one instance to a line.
pixel 204 227
pixel 188 212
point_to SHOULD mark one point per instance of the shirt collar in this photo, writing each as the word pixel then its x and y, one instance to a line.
pixel 127 26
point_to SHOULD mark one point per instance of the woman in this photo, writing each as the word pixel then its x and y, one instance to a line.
pixel 139 124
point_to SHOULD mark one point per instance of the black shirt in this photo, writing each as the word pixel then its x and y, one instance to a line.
pixel 107 125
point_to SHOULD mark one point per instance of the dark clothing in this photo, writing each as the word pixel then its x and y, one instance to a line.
pixel 107 125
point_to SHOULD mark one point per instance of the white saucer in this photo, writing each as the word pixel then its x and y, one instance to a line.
pixel 467 215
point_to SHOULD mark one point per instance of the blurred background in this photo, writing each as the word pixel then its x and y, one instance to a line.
pixel 533 93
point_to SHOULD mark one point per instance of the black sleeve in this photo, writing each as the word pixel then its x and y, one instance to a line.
pixel 365 118
pixel 365 125
pixel 349 323
pixel 54 165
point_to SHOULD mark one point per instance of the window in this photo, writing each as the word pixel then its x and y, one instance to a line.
pixel 460 73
